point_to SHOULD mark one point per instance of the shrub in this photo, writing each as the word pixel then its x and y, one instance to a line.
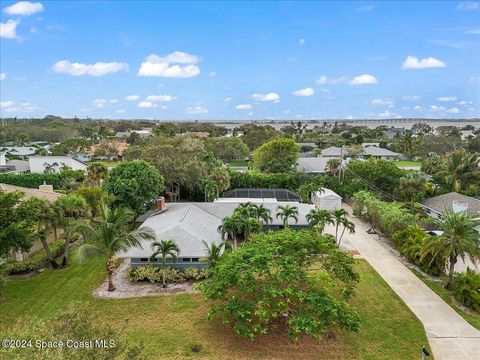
pixel 33 180
pixel 388 217
pixel 3 281
pixel 34 262
pixel 153 274
pixel 466 289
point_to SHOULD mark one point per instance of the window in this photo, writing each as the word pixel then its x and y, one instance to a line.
pixel 144 259
pixel 195 259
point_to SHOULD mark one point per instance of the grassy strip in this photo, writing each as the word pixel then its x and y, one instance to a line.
pixel 447 295
pixel 169 326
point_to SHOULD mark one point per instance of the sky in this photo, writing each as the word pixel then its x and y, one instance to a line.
pixel 240 60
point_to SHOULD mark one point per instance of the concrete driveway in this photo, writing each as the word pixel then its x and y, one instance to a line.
pixel 449 335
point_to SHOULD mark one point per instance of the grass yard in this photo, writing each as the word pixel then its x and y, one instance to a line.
pixel 446 295
pixel 170 325
pixel 408 163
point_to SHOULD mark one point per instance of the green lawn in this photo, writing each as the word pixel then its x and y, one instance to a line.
pixel 239 163
pixel 107 163
pixel 408 163
pixel 446 295
pixel 170 325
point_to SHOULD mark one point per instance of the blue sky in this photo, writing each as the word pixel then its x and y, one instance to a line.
pixel 240 60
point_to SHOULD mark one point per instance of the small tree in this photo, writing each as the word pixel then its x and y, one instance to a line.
pixel 97 172
pixel 459 239
pixel 265 285
pixel 286 212
pixel 318 219
pixel 165 248
pixel 50 168
pixel 230 228
pixel 214 252
pixel 340 218
pixel 277 155
pixel 109 234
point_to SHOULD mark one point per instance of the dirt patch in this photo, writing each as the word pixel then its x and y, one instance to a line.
pixel 127 289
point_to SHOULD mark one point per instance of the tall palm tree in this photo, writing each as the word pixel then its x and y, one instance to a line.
pixel 165 248
pixel 109 234
pixel 340 218
pixel 230 228
pixel 459 239
pixel 319 218
pixel 249 226
pixel 333 166
pixel 69 209
pixel 214 252
pixel 49 168
pixel 97 172
pixel 286 212
pixel 263 214
pixel 246 210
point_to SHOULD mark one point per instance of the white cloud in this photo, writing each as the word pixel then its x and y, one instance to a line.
pixel 3 76
pixel 301 42
pixel 365 79
pixel 168 66
pixel 417 107
pixel 24 8
pixel 97 69
pixel 99 103
pixel 146 104
pixel 453 110
pixel 383 102
pixel 437 108
pixel 411 97
pixel 6 104
pixel 196 110
pixel 350 117
pixel 113 101
pixel 121 111
pixel 266 97
pixel 8 30
pixel 155 98
pixel 447 98
pixel 468 5
pixel 412 62
pixel 131 97
pixel 286 111
pixel 386 114
pixel 475 79
pixel 212 73
pixel 228 99
pixel 308 91
pixel 250 113
pixel 327 80
pixel 244 107
pixel 473 31
pixel 463 102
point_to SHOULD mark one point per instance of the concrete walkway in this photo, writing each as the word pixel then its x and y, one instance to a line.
pixel 449 335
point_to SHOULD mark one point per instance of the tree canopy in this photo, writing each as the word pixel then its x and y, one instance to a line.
pixel 276 156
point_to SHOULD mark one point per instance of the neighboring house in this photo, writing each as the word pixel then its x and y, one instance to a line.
pixel 332 151
pixel 18 166
pixel 453 201
pixel 199 134
pixel 378 152
pixel 19 150
pixel 144 133
pixel 390 133
pixel 84 157
pixel 312 165
pixel 44 192
pixel 326 200
pixel 188 224
pixel 39 163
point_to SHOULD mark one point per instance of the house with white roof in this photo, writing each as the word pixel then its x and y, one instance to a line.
pixel 38 164
pixel 189 224
pixel 326 199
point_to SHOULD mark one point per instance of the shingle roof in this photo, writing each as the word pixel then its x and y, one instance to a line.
pixel 332 151
pixel 29 193
pixel 377 151
pixel 444 203
pixel 312 164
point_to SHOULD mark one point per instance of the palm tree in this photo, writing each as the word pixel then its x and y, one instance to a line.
pixel 214 252
pixel 64 167
pixel 230 228
pixel 246 210
pixel 97 172
pixel 49 168
pixel 319 218
pixel 109 234
pixel 286 212
pixel 263 214
pixel 459 239
pixel 249 226
pixel 165 248
pixel 69 209
pixel 333 166
pixel 340 217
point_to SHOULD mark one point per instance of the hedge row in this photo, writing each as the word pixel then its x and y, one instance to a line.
pixel 34 262
pixel 172 275
pixel 32 180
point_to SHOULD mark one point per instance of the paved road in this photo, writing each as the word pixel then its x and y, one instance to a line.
pixel 449 335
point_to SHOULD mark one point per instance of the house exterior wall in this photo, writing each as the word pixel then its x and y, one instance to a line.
pixel 37 163
pixel 37 245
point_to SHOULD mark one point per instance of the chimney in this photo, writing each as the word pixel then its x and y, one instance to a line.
pixel 459 207
pixel 160 204
pixel 45 187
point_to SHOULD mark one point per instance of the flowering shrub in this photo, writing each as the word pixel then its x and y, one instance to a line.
pixel 153 274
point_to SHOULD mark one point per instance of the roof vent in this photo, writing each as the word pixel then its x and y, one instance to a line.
pixel 459 207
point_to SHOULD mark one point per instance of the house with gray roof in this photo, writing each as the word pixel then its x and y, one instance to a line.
pixel 19 150
pixel 189 224
pixel 312 165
